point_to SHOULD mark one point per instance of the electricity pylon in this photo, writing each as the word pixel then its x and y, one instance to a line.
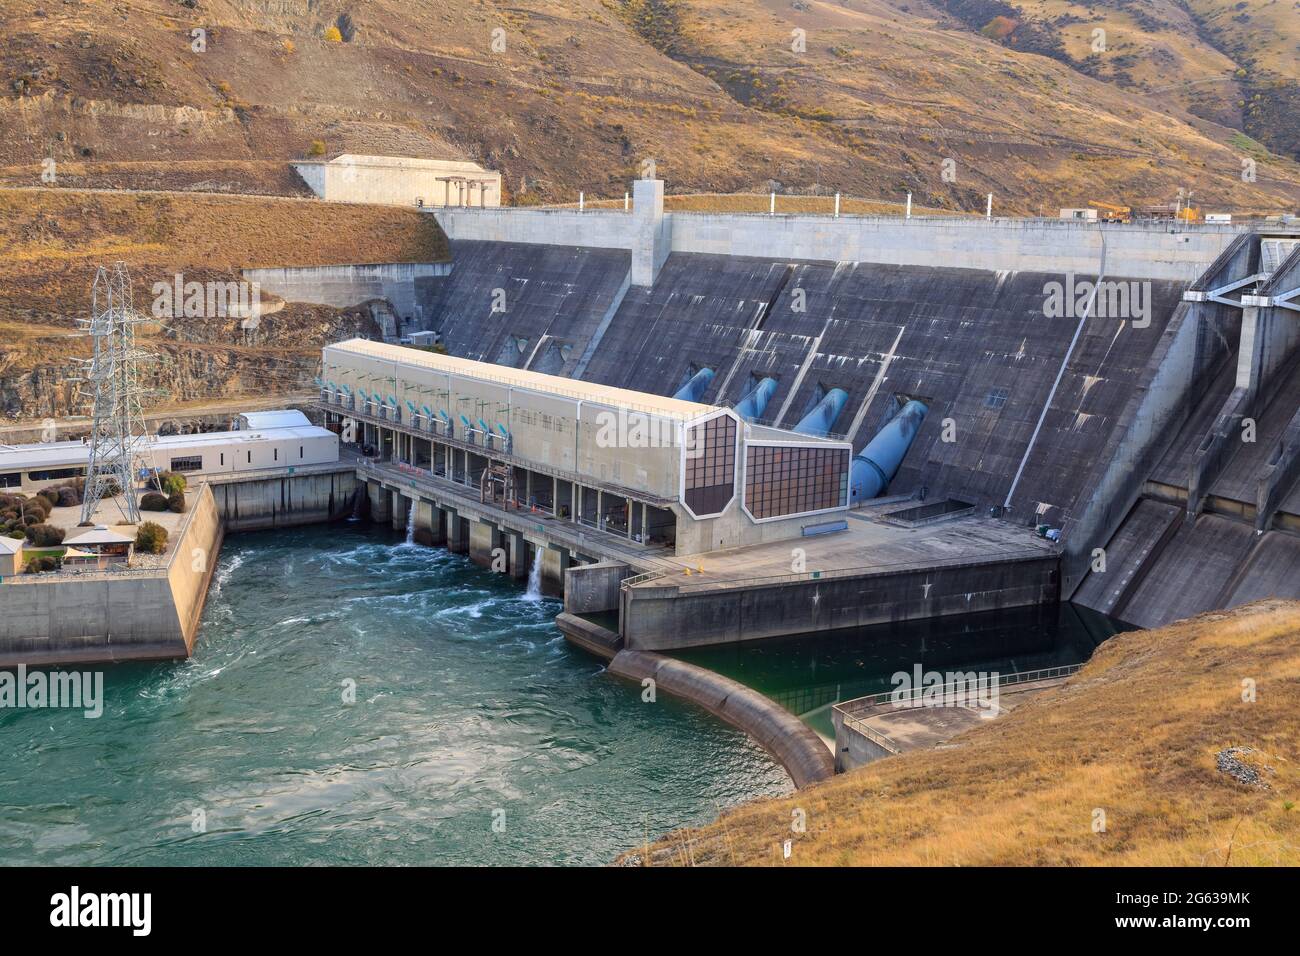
pixel 117 437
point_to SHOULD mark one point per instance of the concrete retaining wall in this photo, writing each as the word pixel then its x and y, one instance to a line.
pixel 674 617
pixel 113 616
pixel 548 227
pixel 284 502
pixel 594 587
pixel 789 740
pixel 1014 245
pixel 853 750
pixel 349 285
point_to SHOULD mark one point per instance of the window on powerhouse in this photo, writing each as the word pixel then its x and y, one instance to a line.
pixel 788 481
pixel 52 474
pixel 11 479
pixel 711 465
pixel 188 463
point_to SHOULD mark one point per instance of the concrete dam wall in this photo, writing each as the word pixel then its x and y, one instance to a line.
pixel 975 346
pixel 1068 418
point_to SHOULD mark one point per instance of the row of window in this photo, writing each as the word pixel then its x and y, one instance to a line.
pixel 710 465
pixel 14 479
pixel 786 481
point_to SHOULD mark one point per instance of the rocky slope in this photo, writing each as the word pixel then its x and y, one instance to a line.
pixel 55 239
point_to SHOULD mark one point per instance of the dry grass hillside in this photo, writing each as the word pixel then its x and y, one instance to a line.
pixel 54 239
pixel 1153 732
pixel 880 93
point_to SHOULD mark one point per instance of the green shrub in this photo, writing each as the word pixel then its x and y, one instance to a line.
pixel 153 501
pixel 151 538
pixel 49 494
pixel 176 502
pixel 171 482
pixel 16 534
pixel 68 497
pixel 45 535
pixel 37 506
pixel 44 562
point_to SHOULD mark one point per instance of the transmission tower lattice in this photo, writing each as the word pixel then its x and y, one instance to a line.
pixel 117 436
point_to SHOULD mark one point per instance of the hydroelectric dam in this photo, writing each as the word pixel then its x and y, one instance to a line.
pixel 709 429
pixel 1102 413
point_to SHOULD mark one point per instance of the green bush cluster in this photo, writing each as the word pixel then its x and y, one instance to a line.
pixel 153 501
pixel 151 538
pixel 170 483
pixel 44 562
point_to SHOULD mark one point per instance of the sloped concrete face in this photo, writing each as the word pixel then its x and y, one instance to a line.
pixel 549 298
pixel 978 347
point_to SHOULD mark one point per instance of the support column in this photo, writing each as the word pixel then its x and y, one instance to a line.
pixel 518 551
pixel 650 244
pixel 457 532
pixel 425 517
pixel 484 539
pixel 397 505
pixel 555 561
pixel 380 503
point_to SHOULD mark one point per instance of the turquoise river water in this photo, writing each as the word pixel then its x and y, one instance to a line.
pixel 468 702
pixel 469 710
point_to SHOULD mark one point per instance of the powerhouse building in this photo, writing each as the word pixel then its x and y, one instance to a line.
pixel 659 471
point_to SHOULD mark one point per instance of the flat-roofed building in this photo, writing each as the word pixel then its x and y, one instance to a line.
pixel 401 181
pixel 273 439
pixel 656 470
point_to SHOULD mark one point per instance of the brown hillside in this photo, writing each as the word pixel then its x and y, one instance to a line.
pixel 55 239
pixel 586 90
pixel 1144 733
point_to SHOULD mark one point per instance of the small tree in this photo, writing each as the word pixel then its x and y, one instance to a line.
pixel 317 148
pixel 176 502
pixel 45 535
pixel 333 35
pixel 43 562
pixel 171 482
pixel 151 538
